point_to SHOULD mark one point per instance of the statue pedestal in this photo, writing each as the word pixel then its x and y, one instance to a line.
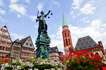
pixel 42 44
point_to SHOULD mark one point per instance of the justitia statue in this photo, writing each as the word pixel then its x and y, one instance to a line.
pixel 43 40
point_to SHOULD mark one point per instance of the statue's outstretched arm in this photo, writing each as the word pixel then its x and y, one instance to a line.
pixel 37 17
pixel 47 13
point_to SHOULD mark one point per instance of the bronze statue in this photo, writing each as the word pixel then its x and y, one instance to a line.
pixel 43 40
pixel 42 22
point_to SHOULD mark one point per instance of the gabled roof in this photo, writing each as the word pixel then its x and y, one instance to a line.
pixel 16 43
pixel 17 40
pixel 24 39
pixel 53 49
pixel 85 42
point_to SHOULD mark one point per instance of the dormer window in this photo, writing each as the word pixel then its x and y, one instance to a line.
pixel 26 43
pixel 30 44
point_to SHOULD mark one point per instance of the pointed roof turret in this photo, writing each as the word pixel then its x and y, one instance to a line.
pixel 64 24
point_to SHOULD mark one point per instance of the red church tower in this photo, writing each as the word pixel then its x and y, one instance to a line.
pixel 67 40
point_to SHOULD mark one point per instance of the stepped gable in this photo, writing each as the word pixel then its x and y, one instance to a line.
pixel 85 43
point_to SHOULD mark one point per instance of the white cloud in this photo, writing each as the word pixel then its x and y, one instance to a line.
pixel 2 12
pixel 18 15
pixel 83 7
pixel 85 20
pixel 96 29
pixel 40 6
pixel 1 3
pixel 55 2
pixel 87 9
pixel 76 4
pixel 15 36
pixel 18 8
pixel 33 18
pixel 13 1
pixel 28 1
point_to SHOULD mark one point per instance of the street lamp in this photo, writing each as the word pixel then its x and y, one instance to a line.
pixel 10 55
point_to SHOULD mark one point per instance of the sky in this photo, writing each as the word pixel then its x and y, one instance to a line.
pixel 84 17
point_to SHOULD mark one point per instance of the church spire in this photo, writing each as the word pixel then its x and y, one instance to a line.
pixel 64 21
pixel 67 40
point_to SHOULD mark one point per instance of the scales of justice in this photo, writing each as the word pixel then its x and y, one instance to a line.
pixel 43 40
